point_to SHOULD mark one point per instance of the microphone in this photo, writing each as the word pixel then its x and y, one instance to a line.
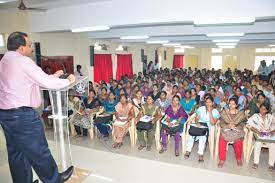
pixel 65 75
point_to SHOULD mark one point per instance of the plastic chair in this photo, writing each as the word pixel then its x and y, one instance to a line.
pixel 132 130
pixel 211 137
pixel 217 137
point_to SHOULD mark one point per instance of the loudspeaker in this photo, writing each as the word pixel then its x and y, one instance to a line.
pixel 164 56
pixel 92 52
pixel 142 55
pixel 156 55
pixel 37 52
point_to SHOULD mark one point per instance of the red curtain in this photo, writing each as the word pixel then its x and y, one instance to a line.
pixel 178 61
pixel 103 69
pixel 124 65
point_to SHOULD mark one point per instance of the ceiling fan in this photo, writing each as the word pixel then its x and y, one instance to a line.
pixel 23 7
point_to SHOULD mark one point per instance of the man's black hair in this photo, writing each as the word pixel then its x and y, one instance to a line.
pixel 15 40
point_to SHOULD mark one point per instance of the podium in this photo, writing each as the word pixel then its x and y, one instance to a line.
pixel 59 104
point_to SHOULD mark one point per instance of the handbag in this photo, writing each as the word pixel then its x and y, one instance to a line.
pixel 198 131
pixel 144 125
pixel 82 121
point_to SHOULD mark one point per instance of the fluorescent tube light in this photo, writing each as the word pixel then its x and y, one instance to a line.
pixel 225 40
pixel 226 44
pixel 185 46
pixel 225 34
pixel 272 45
pixel 171 44
pixel 134 37
pixel 157 42
pixel 214 21
pixel 91 29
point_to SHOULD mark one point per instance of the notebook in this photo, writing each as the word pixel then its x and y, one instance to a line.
pixel 146 119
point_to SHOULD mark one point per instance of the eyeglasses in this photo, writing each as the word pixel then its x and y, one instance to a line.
pixel 30 45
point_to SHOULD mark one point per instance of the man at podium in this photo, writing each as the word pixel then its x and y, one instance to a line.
pixel 20 80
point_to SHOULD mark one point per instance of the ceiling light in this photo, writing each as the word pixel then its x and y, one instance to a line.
pixel 225 34
pixel 157 42
pixel 272 45
pixel 91 29
pixel 225 40
pixel 171 44
pixel 226 44
pixel 134 37
pixel 215 21
pixel 7 1
pixel 185 46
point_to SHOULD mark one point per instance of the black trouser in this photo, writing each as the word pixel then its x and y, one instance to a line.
pixel 27 146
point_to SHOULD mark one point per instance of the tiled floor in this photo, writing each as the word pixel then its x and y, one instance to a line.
pixel 129 165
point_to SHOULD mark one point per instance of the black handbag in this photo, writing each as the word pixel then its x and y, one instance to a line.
pixel 197 131
pixel 144 125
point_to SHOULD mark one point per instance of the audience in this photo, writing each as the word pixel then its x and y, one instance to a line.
pixel 171 96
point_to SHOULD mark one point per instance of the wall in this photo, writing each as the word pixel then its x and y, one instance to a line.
pixel 245 56
pixel 9 23
pixel 77 45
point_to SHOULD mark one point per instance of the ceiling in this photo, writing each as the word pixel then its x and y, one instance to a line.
pixel 260 33
pixel 171 20
pixel 45 4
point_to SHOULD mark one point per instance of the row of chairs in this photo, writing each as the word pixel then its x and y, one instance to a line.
pixel 213 140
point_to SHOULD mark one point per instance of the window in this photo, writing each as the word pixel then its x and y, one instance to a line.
pixel 216 62
pixel 1 40
pixel 258 59
pixel 265 50
pixel 216 50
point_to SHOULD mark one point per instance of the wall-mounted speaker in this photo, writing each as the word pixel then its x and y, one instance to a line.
pixel 37 51
pixel 142 55
pixel 164 56
pixel 92 52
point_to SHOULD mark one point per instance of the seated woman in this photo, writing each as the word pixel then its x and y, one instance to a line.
pixel 138 101
pixel 242 99
pixel 188 103
pixel 254 105
pixel 195 96
pixel 103 95
pixel 124 114
pixel 102 122
pixel 263 125
pixel 176 117
pixel 232 122
pixel 162 102
pixel 82 119
pixel 205 117
pixel 155 93
pixel 149 109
